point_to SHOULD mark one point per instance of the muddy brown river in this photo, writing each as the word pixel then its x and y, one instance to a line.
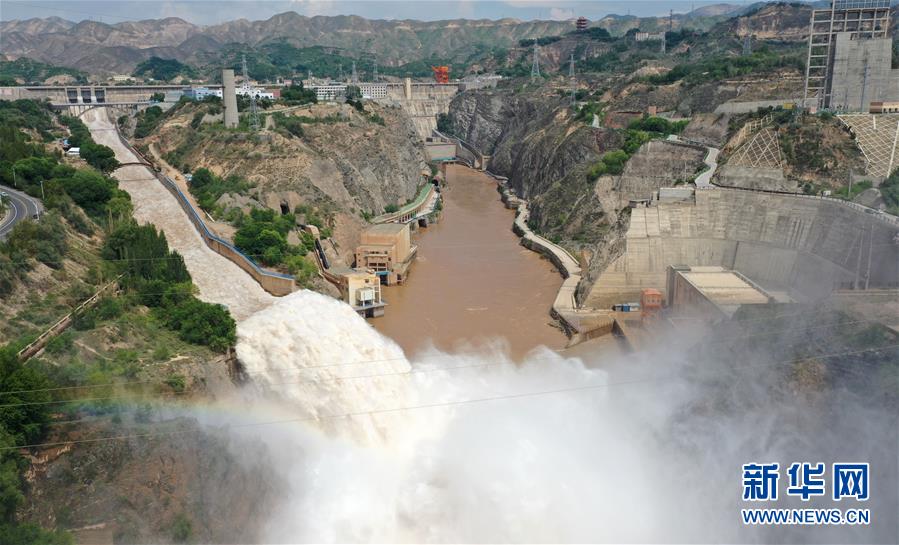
pixel 473 284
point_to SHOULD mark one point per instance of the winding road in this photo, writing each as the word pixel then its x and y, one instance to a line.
pixel 21 206
pixel 704 180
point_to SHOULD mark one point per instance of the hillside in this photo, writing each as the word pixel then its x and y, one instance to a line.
pixel 145 336
pixel 342 163
pixel 101 48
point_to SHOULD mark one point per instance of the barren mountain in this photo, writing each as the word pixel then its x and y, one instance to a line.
pixel 87 45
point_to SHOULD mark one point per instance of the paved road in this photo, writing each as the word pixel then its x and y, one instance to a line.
pixel 704 180
pixel 21 206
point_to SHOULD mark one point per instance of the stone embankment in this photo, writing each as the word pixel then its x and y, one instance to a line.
pixel 579 324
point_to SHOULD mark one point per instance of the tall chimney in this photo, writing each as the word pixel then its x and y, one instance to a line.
pixel 229 97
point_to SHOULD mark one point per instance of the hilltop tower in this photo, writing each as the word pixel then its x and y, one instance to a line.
pixel 229 98
pixel 535 67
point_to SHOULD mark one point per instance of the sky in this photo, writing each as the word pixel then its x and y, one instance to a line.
pixel 207 12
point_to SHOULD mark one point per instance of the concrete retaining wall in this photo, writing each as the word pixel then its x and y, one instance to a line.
pixel 803 246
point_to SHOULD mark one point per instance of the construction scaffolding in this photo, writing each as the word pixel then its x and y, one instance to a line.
pixel 838 52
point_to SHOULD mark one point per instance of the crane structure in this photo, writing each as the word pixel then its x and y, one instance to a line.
pixel 441 74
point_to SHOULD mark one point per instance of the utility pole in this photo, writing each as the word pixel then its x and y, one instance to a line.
pixel 870 249
pixel 572 78
pixel 14 182
pixel 861 106
pixel 43 198
pixel 535 67
pixel 254 114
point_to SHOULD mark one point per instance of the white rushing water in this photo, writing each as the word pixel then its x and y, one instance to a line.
pixel 451 467
pixel 473 448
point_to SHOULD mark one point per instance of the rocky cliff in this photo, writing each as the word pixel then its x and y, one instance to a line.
pixel 344 163
pixel 536 142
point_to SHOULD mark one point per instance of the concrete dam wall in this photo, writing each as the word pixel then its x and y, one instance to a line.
pixel 794 246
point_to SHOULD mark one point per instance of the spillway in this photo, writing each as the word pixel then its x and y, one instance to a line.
pixel 218 280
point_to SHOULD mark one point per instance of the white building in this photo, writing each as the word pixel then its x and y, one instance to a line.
pixel 373 90
pixel 199 93
pixel 335 91
pixel 329 91
pixel 247 91
pixel 649 36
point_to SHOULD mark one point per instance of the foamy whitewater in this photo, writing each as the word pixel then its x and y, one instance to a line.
pixel 371 447
pixel 520 468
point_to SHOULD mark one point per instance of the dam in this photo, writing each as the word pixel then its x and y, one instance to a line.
pixel 800 247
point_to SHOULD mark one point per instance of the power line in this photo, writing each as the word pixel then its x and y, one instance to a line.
pixel 254 114
pixel 295 370
pixel 426 357
pixel 372 412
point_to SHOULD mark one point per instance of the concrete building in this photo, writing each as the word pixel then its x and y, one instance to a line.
pixel 849 56
pixel 387 250
pixel 246 90
pixel 885 107
pixel 229 97
pixel 710 293
pixel 362 291
pixel 649 36
pixel 199 93
pixel 336 91
pixel 172 96
pixel 329 91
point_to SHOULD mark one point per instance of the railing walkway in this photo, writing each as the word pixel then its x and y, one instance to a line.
pixel 423 201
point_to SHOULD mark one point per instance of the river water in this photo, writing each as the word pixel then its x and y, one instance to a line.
pixel 473 284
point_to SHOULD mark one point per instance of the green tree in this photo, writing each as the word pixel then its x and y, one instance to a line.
pixel 90 190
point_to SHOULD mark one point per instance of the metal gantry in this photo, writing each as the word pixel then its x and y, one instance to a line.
pixel 864 19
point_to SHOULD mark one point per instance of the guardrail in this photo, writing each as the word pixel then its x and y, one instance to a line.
pixel 873 212
pixel 275 283
pixel 411 210
pixel 476 159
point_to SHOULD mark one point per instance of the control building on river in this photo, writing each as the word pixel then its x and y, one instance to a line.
pixel 387 250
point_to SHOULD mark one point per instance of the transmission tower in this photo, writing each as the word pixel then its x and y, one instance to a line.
pixel 374 75
pixel 535 68
pixel 572 78
pixel 254 115
pixel 355 77
pixel 747 41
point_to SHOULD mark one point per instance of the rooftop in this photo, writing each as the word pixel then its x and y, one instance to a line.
pixel 386 229
pixel 726 289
